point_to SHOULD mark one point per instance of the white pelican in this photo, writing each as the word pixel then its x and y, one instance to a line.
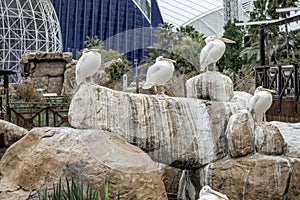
pixel 87 65
pixel 212 51
pixel 261 101
pixel 159 73
pixel 207 193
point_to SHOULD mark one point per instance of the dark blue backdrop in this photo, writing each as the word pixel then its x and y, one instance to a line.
pixel 119 23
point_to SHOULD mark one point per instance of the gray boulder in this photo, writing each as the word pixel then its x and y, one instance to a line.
pixel 44 155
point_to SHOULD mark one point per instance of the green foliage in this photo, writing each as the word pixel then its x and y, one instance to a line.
pixel 74 191
pixel 183 45
pixel 93 42
pixel 275 46
pixel 231 59
pixel 117 69
pixel 106 55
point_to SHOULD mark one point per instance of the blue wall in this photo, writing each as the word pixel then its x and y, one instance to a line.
pixel 106 18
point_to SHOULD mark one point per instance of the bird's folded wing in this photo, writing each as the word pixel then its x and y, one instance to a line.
pixel 80 61
pixel 205 52
pixel 152 70
pixel 252 102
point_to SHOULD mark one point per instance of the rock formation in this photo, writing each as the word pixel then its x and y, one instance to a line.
pixel 181 132
pixel 214 141
pixel 212 86
pixel 46 154
pixel 10 133
pixel 208 138
pixel 45 70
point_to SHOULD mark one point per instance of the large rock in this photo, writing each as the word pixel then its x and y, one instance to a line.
pixel 189 186
pixel 241 97
pixel 240 134
pixel 171 178
pixel 182 132
pixel 210 85
pixel 10 133
pixel 45 69
pixel 253 177
pixel 268 140
pixel 45 154
pixel 294 189
pixel 69 84
pixel 291 135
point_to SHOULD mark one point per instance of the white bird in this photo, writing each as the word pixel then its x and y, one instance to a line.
pixel 207 193
pixel 88 64
pixel 159 73
pixel 261 101
pixel 212 51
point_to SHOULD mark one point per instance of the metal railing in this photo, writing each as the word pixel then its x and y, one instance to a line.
pixel 29 115
pixel 282 78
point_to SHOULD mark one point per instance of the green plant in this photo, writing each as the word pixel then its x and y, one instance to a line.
pixel 117 69
pixel 183 45
pixel 74 191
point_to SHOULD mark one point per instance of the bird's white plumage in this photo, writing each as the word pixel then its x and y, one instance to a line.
pixel 159 73
pixel 261 101
pixel 88 64
pixel 212 51
pixel 207 193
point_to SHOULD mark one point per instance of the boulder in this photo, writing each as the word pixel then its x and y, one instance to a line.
pixel 69 84
pixel 10 133
pixel 181 132
pixel 45 154
pixel 55 85
pixel 210 85
pixel 171 178
pixel 252 177
pixel 45 69
pixel 294 189
pixel 240 134
pixel 189 186
pixel 268 140
pixel 241 97
pixel 290 133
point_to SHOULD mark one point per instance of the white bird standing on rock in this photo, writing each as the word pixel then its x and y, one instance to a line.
pixel 212 51
pixel 159 73
pixel 87 65
pixel 261 101
pixel 207 193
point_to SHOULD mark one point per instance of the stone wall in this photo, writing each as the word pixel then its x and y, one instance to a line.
pixel 48 71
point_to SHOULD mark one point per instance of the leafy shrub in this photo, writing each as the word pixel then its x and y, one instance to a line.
pixel 117 69
pixel 74 191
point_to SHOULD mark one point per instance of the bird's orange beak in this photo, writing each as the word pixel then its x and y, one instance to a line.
pixel 268 90
pixel 226 40
pixel 169 60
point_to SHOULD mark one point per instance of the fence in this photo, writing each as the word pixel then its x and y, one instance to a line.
pixel 29 115
pixel 286 81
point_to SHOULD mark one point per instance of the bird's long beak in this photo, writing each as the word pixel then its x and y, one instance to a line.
pixel 268 90
pixel 85 50
pixel 227 40
pixel 95 50
pixel 223 196
pixel 169 60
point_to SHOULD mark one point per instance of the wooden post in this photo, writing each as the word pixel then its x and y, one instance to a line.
pixel 262 55
pixel 262 46
pixel 296 87
pixel 279 92
pixel 5 77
